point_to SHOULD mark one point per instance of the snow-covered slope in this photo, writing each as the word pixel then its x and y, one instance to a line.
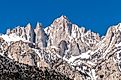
pixel 65 47
pixel 12 37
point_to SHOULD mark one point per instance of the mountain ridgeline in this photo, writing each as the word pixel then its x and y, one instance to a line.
pixel 63 48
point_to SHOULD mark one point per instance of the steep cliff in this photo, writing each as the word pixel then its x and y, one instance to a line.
pixel 65 47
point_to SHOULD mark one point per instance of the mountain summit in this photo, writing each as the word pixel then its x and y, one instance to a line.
pixel 73 51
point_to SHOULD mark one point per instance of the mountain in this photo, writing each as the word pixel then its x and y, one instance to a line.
pixel 66 48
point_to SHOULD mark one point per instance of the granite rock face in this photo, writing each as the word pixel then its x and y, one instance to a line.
pixel 68 49
pixel 40 36
pixel 11 70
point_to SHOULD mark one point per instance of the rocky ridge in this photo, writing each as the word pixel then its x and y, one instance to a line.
pixel 64 47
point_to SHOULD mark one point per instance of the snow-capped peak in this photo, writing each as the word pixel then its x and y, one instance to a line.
pixel 67 48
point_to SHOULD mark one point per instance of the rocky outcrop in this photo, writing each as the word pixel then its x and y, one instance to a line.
pixel 59 30
pixel 29 33
pixel 26 33
pixel 40 36
pixel 11 70
pixel 66 48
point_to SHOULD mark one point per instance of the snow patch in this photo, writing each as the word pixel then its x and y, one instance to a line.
pixel 1 54
pixel 12 37
pixel 81 56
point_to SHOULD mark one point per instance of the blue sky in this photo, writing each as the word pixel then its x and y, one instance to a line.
pixel 96 15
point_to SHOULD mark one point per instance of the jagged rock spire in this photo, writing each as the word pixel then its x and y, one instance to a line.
pixel 41 37
pixel 38 26
pixel 59 30
pixel 63 21
pixel 29 32
pixel 70 48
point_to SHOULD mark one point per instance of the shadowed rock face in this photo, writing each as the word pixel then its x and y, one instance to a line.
pixel 40 36
pixel 66 48
pixel 63 47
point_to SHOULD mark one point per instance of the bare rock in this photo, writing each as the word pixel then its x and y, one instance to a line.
pixel 41 37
